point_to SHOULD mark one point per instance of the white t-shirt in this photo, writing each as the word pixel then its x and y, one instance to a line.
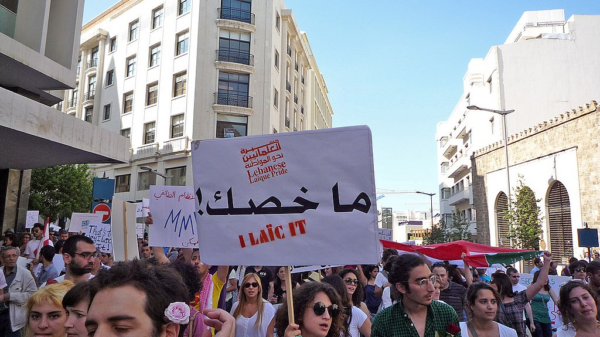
pixel 358 319
pixel 380 280
pixel 386 299
pixel 504 330
pixel 244 327
pixel 519 287
pixel 34 245
pixel 232 275
pixel 561 332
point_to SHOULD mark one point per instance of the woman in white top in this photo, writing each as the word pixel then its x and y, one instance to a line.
pixel 253 315
pixel 578 308
pixel 482 306
pixel 356 322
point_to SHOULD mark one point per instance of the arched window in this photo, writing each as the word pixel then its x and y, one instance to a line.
pixel 501 223
pixel 559 222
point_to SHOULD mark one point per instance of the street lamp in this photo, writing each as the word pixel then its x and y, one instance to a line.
pixel 431 209
pixel 146 168
pixel 503 113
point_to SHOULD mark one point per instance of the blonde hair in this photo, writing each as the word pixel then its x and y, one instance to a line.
pixel 52 293
pixel 244 300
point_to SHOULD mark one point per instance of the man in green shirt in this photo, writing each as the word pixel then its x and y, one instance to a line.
pixel 415 314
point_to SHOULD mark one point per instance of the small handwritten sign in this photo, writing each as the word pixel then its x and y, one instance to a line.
pixel 173 212
pixel 139 209
pixel 32 218
pixel 139 230
pixel 79 221
pixel 101 234
pixel 145 207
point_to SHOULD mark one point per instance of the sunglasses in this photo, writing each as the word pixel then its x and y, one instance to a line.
pixel 350 281
pixel 580 270
pixel 319 309
pixel 253 285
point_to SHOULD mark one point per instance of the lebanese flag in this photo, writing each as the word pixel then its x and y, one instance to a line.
pixel 45 239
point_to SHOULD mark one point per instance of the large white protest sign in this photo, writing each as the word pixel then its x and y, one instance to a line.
pixel 555 283
pixel 293 198
pixel 32 218
pixel 124 237
pixel 79 221
pixel 101 234
pixel 173 213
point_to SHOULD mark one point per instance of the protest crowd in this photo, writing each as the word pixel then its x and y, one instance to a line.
pixel 69 288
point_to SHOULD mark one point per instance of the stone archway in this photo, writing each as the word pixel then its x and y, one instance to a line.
pixel 502 229
pixel 558 208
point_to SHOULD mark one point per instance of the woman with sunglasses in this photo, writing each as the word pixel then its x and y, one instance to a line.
pixel 356 295
pixel 578 306
pixel 355 321
pixel 578 270
pixel 316 312
pixel 253 315
pixel 482 306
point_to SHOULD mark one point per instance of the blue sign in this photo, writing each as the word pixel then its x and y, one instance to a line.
pixel 104 188
pixel 588 237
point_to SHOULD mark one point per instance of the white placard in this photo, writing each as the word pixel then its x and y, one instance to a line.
pixel 32 218
pixel 139 230
pixel 123 232
pixel 138 209
pixel 173 214
pixel 145 207
pixel 555 283
pixel 101 234
pixel 287 199
pixel 79 221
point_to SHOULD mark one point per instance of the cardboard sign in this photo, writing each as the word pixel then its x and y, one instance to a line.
pixel 173 212
pixel 123 233
pixel 287 199
pixel 101 234
pixel 79 221
pixel 32 218
pixel 555 283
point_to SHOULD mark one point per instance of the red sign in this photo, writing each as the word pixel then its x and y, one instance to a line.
pixel 103 209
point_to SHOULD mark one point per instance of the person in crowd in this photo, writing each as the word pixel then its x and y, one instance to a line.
pixel 20 285
pixel 354 289
pixel 266 278
pixel 279 286
pixel 577 270
pixel 537 265
pixel 63 234
pixel 193 283
pixel 565 271
pixel 79 254
pixel 513 303
pixel 482 303
pixel 212 285
pixel 593 274
pixel 415 313
pixel 386 299
pixel 58 260
pixel 11 240
pixel 253 314
pixel 483 277
pixel 33 246
pixel 316 312
pixel 578 306
pixel 451 292
pixel 438 290
pixel 553 269
pixel 231 289
pixel 45 313
pixel 146 252
pixel 48 271
pixel 455 276
pixel 356 322
pixel 107 260
pixel 25 238
pixel 371 300
pixel 330 271
pixel 381 281
pixel 515 277
pixel 539 305
pixel 76 303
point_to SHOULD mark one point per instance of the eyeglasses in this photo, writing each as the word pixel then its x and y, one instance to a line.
pixel 319 309
pixel 350 281
pixel 253 285
pixel 580 270
pixel 423 282
pixel 88 255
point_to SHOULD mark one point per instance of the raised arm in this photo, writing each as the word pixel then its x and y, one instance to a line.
pixel 542 278
pixel 361 276
pixel 467 270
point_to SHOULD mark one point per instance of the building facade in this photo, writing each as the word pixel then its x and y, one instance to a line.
pixel 165 72
pixel 558 160
pixel 546 66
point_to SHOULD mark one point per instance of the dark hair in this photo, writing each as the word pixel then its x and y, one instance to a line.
pixel 537 260
pixel 338 284
pixel 387 253
pixel 359 294
pixel 368 269
pixel 190 275
pixel 575 265
pixel 277 283
pixel 564 305
pixel 303 296
pixel 473 291
pixel 15 242
pixel 455 276
pixel 502 282
pixel 400 272
pixel 160 284
pixel 79 293
pixel 511 270
pixel 38 225
pixel 573 259
pixel 48 253
pixel 58 246
pixel 63 231
pixel 145 245
pixel 535 277
pixel 438 265
pixel 387 267
pixel 593 267
pixel 70 246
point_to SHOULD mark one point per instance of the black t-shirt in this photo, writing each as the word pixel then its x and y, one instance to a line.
pixel 266 276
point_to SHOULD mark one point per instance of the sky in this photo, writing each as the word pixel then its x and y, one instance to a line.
pixel 397 66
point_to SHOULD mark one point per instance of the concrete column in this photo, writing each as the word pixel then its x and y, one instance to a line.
pixel 81 85
pixel 14 198
pixel 99 110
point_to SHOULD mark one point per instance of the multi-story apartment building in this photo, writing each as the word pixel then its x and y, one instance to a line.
pixel 546 66
pixel 165 72
pixel 38 49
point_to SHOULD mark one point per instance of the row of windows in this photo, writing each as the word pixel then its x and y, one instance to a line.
pixel 183 7
pixel 177 124
pixel 179 89
pixel 176 176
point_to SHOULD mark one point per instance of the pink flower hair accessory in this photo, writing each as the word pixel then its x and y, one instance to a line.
pixel 178 313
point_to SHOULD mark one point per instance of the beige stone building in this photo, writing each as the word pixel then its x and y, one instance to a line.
pixel 558 159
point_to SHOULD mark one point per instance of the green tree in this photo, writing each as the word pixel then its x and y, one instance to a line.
pixel 524 218
pixel 438 234
pixel 60 190
pixel 457 229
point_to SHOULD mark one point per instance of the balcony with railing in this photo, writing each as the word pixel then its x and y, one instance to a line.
pixel 287 122
pixel 450 147
pixel 146 151
pixel 178 144
pixel 71 103
pixel 236 14
pixel 460 193
pixel 88 97
pixel 233 99
pixel 91 65
pixel 235 56
pixel 458 165
pixel 288 86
